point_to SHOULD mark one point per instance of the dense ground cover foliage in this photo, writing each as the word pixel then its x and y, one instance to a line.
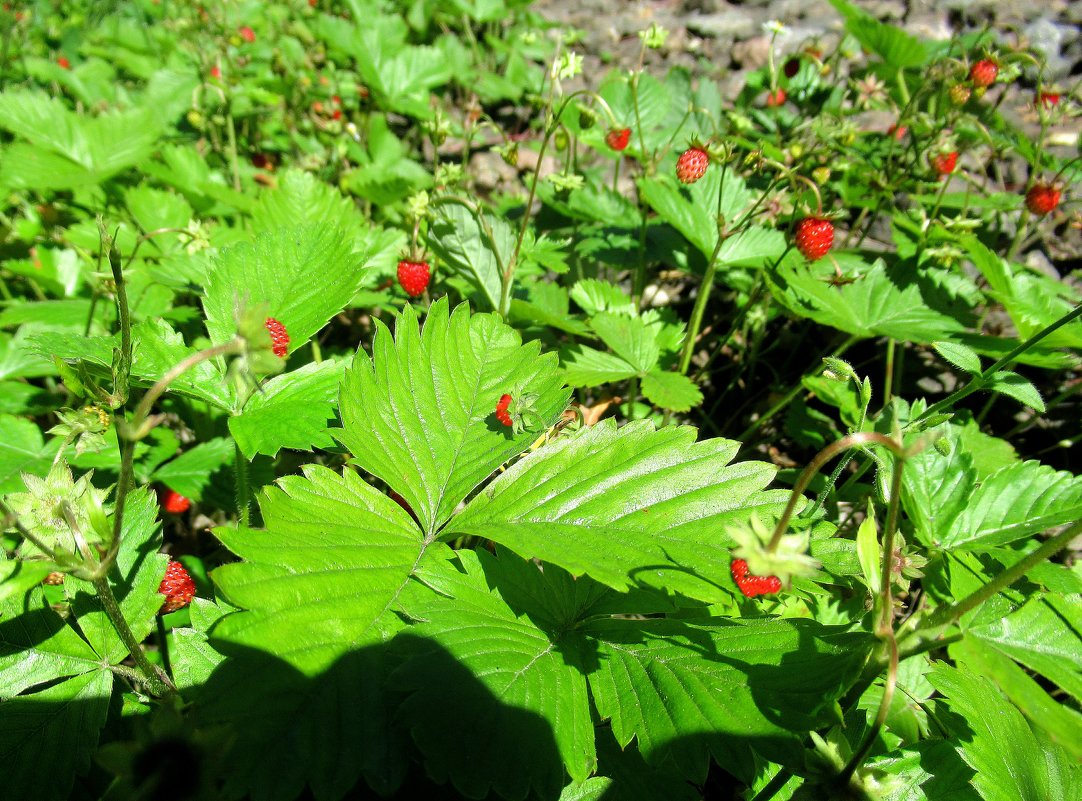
pixel 716 447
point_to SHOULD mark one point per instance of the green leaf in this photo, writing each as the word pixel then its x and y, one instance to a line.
pixel 319 591
pixel 419 414
pixel 22 450
pixel 628 507
pixel 1043 635
pixel 61 724
pixel 959 355
pixel 732 683
pixel 584 366
pixel 18 577
pixel 459 240
pixel 1011 763
pixel 290 411
pixel 192 471
pixel 37 646
pixel 895 46
pixel 1061 723
pixel 629 338
pixel 1013 503
pixel 303 275
pixel 193 658
pixel 868 551
pixel 492 682
pixel 936 488
pixel 871 306
pixel 135 579
pixel 1007 383
pixel 673 391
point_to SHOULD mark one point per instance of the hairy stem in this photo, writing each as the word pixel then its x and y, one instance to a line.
pixel 157 681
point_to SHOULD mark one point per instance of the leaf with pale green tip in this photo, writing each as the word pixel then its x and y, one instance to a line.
pixel 929 771
pixel 135 579
pixel 61 725
pixel 1011 762
pixel 419 414
pixel 1060 722
pixel 961 356
pixel 737 684
pixel 669 390
pixel 630 506
pixel 1013 385
pixel 936 487
pixel 302 276
pixel 37 646
pixel 1014 502
pixel 292 410
pixel 507 688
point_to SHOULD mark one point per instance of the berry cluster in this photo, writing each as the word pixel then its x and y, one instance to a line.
pixel 177 587
pixel 752 586
pixel 279 337
pixel 501 410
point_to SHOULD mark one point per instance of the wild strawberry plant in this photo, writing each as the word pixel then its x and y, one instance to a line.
pixel 716 447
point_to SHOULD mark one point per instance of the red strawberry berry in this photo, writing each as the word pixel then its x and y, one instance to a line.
pixel 1042 199
pixel 776 98
pixel 216 72
pixel 279 337
pixel 63 63
pixel 618 138
pixel 247 34
pixel 749 585
pixel 177 587
pixel 897 131
pixel 1048 99
pixel 944 162
pixel 984 72
pixel 413 277
pixel 501 410
pixel 813 237
pixel 173 502
pixel 692 164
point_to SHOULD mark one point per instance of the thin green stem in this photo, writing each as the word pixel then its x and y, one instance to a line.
pixel 888 377
pixel 880 717
pixel 122 372
pixel 948 614
pixel 886 588
pixel 980 381
pixel 157 681
pixel 825 455
pixel 234 161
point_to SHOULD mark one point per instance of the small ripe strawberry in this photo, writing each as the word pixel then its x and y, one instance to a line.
pixel 1041 199
pixel 813 237
pixel 279 337
pixel 63 63
pixel 944 163
pixel 247 34
pixel 775 98
pixel 501 410
pixel 984 72
pixel 177 587
pixel 216 72
pixel 692 164
pixel 336 114
pixel 173 502
pixel 749 585
pixel 1048 99
pixel 413 277
pixel 960 94
pixel 618 138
